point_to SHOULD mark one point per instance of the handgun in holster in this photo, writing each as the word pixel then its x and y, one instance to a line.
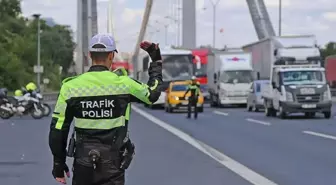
pixel 72 145
pixel 128 151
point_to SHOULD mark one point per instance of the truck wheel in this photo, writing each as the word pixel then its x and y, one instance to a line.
pixel 327 115
pixel 269 112
pixel 283 114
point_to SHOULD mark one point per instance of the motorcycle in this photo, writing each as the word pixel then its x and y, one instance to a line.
pixel 24 105
pixel 46 108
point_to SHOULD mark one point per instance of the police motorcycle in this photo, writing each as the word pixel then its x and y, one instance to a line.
pixel 37 95
pixel 18 105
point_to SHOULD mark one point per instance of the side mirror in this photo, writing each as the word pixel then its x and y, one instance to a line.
pixel 215 76
pixel 251 91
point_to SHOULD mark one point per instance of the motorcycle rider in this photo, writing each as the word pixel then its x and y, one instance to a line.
pixel 31 88
pixel 99 102
pixel 3 95
pixel 18 93
pixel 194 89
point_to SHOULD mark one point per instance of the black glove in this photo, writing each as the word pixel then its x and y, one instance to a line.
pixel 127 155
pixel 59 169
pixel 152 49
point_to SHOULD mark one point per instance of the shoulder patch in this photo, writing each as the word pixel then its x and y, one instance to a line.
pixel 120 71
pixel 68 79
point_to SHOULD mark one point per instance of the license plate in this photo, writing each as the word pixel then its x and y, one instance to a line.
pixel 184 103
pixel 309 106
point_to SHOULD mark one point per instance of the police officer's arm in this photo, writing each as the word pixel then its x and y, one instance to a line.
pixel 150 92
pixel 59 127
pixel 198 88
pixel 187 91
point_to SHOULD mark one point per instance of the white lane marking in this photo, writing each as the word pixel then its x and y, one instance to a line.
pixel 258 121
pixel 220 113
pixel 221 158
pixel 320 135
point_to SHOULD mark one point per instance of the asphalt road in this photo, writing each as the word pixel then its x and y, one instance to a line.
pixel 224 146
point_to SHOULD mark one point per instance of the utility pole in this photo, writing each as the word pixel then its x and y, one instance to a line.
pixel 89 28
pixel 38 69
pixel 280 16
pixel 214 7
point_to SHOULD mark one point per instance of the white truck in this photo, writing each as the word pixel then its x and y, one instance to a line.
pixel 230 76
pixel 177 66
pixel 297 80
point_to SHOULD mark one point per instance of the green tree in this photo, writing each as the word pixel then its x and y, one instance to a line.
pixel 18 46
pixel 329 49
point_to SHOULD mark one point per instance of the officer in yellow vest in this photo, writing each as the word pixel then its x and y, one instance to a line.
pixel 194 89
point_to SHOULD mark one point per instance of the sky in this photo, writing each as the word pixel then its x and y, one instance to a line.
pixel 298 17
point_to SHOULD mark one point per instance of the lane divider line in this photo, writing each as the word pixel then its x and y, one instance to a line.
pixel 258 121
pixel 220 113
pixel 236 167
pixel 320 135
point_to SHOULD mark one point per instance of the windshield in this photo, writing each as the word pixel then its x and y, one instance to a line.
pixel 260 86
pixel 236 76
pixel 179 88
pixel 302 77
pixel 176 67
pixel 202 71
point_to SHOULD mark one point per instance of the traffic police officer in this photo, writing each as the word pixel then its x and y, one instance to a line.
pixel 99 103
pixel 194 89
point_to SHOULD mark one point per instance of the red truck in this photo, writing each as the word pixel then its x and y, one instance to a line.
pixel 330 67
pixel 200 61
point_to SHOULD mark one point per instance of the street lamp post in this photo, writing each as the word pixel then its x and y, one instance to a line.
pixel 37 16
pixel 280 16
pixel 166 32
pixel 214 7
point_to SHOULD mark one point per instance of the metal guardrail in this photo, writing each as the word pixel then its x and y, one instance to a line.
pixel 52 96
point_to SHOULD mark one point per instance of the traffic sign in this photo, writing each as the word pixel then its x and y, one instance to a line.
pixel 38 69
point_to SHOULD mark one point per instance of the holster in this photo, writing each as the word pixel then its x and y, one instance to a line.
pixel 127 152
pixel 96 154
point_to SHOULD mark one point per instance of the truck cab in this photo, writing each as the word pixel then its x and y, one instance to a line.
pixel 297 84
pixel 230 77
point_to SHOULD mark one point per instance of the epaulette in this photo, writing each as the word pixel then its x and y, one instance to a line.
pixel 120 71
pixel 68 79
